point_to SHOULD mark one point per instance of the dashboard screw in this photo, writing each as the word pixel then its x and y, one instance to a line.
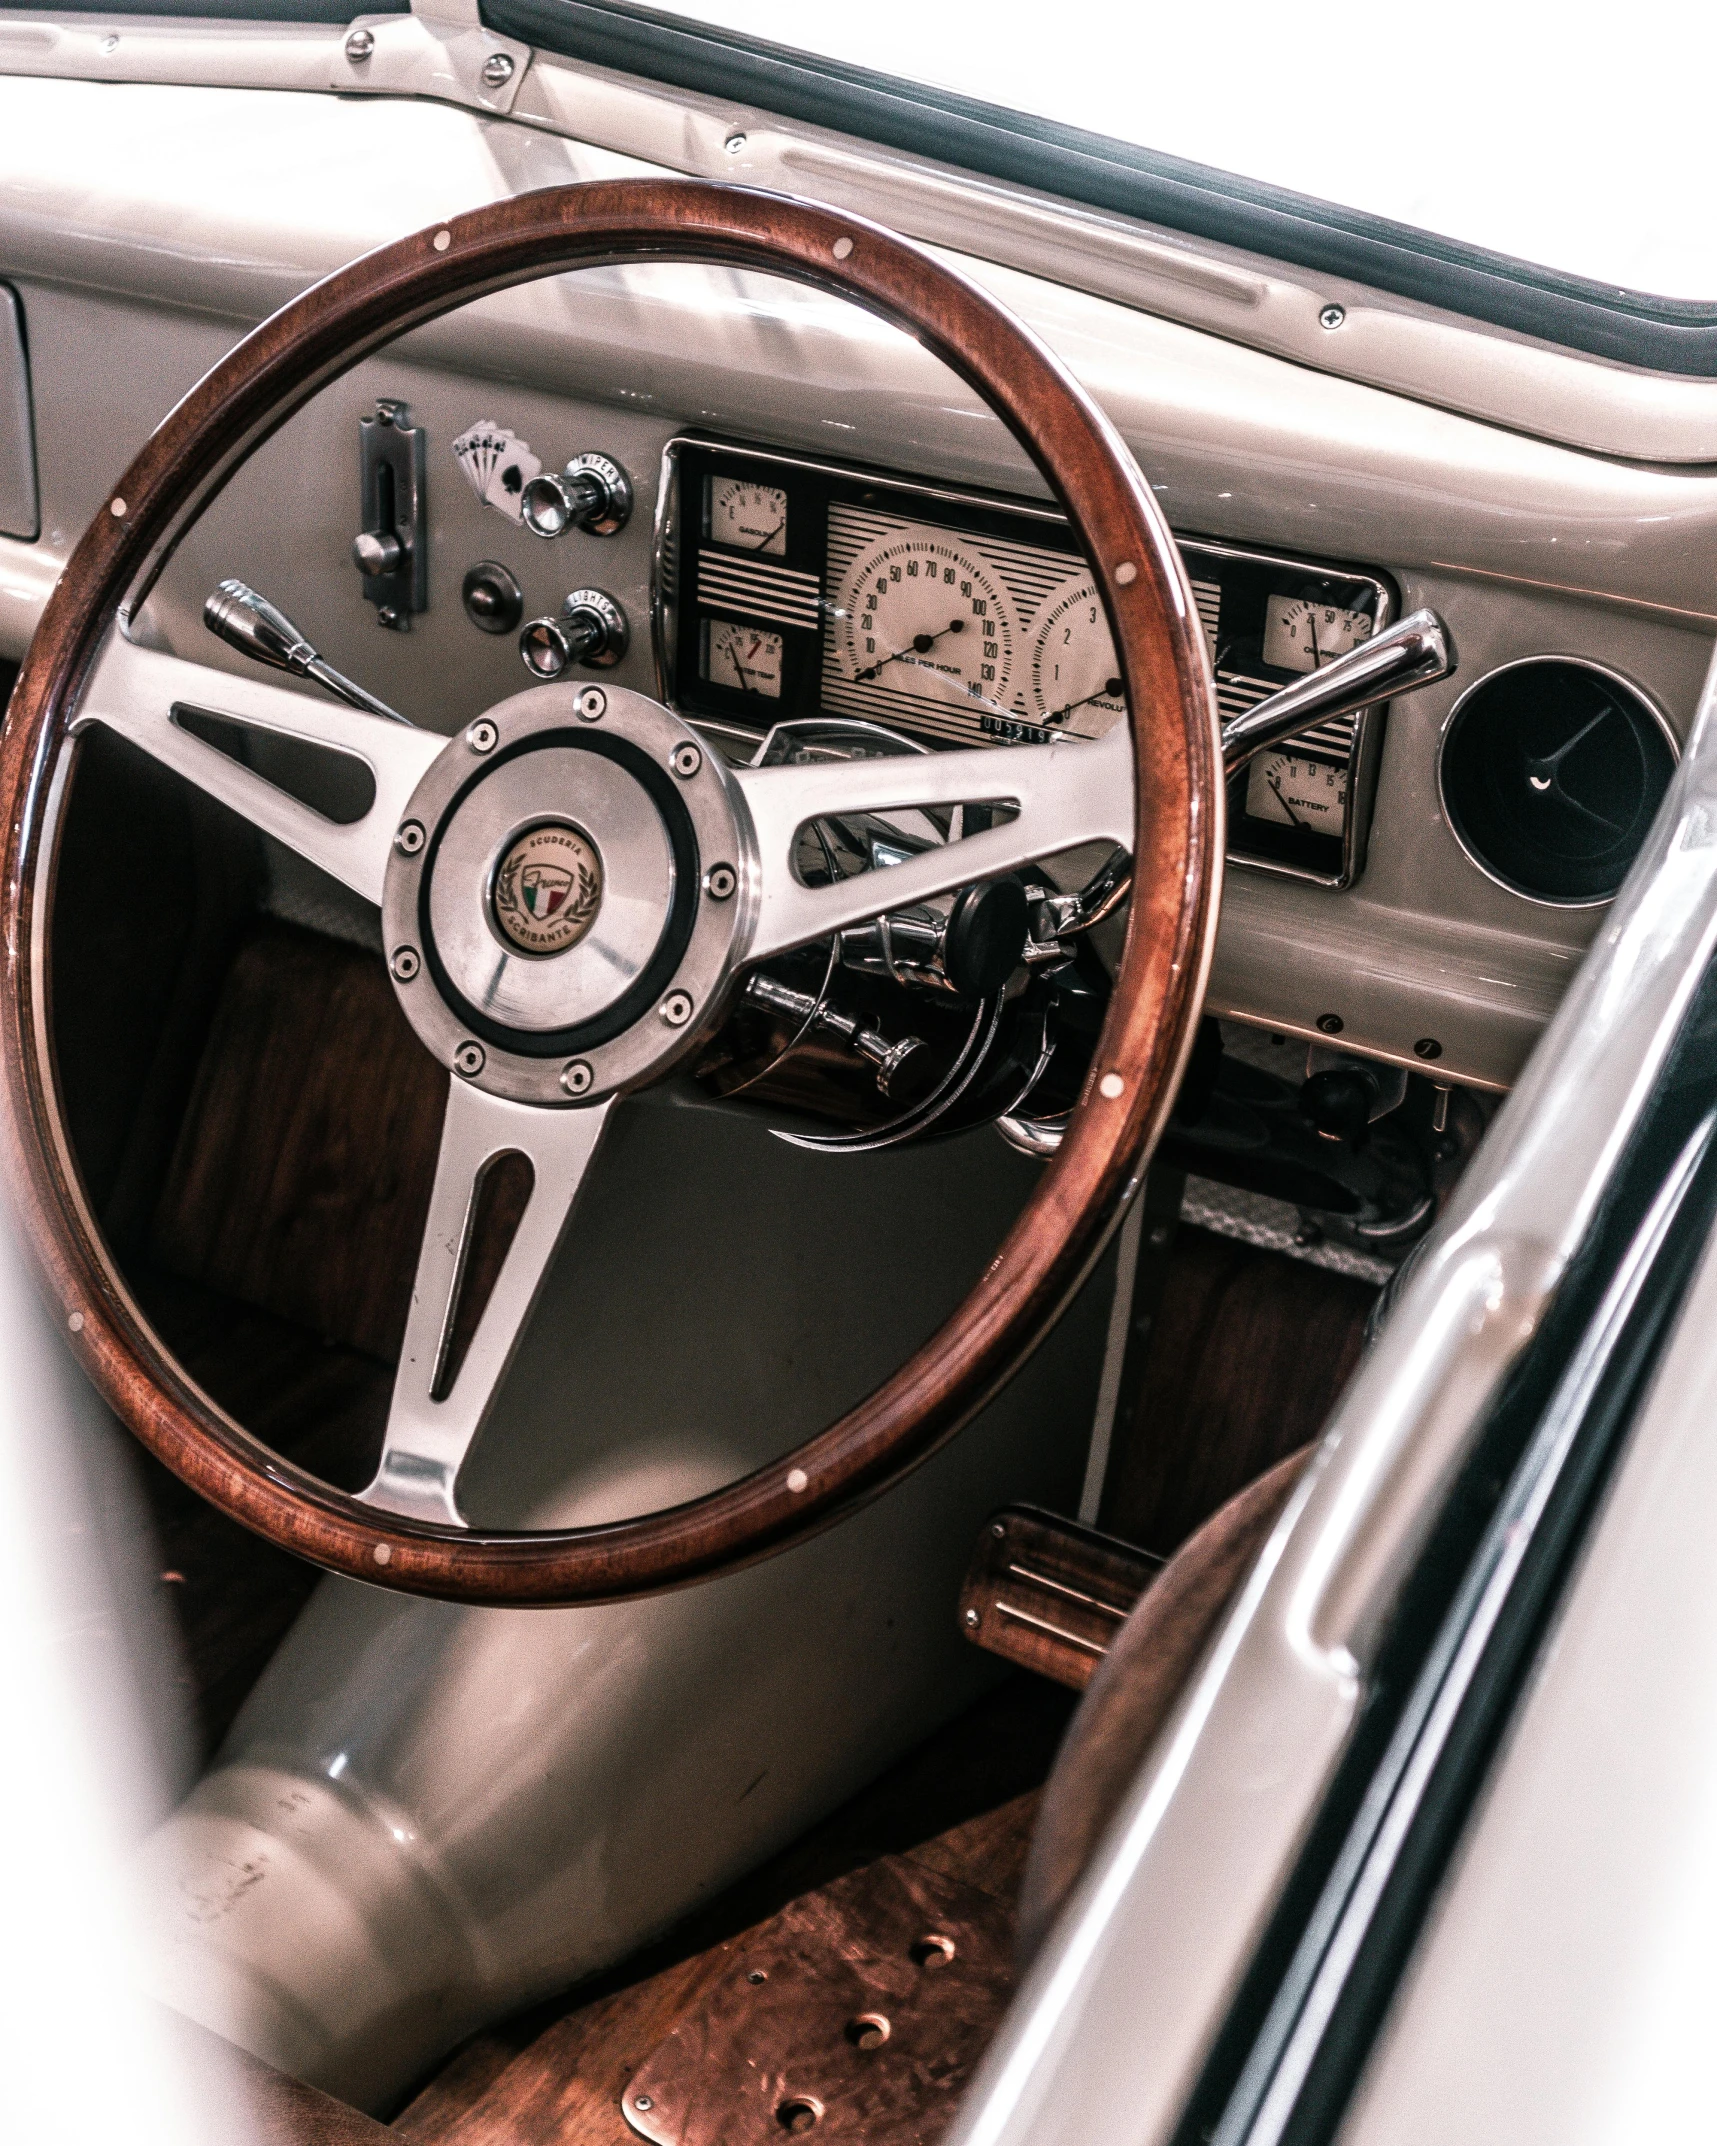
pixel 972 1620
pixel 498 70
pixel 592 704
pixel 360 45
pixel 642 2101
pixel 482 736
pixel 719 882
pixel 576 1077
pixel 468 1059
pixel 409 839
pixel 1427 1047
pixel 685 760
pixel 1332 316
pixel 734 144
pixel 1332 1024
pixel 677 1008
pixel 405 964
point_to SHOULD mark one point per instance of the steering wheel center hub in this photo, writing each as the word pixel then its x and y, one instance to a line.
pixel 553 911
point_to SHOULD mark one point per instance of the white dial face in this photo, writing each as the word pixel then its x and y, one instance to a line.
pixel 747 658
pixel 1297 790
pixel 751 517
pixel 918 614
pixel 1075 680
pixel 1300 635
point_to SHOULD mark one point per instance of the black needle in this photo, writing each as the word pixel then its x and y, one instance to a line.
pixel 773 534
pixel 920 645
pixel 1283 802
pixel 1312 628
pixel 1108 690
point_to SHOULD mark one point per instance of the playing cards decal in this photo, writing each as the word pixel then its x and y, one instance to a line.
pixel 497 465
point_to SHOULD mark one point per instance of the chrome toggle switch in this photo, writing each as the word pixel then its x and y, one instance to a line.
pixel 594 494
pixel 590 630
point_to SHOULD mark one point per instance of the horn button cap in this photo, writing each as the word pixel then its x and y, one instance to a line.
pixel 557 901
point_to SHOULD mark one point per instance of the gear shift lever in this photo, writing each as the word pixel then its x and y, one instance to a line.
pixel 236 614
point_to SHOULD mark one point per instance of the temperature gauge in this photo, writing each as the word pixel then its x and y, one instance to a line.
pixel 1298 790
pixel 750 517
pixel 1303 635
pixel 744 658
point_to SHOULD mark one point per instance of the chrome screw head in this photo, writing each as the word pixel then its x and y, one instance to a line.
pixel 642 2101
pixel 482 736
pixel 591 705
pixel 576 1077
pixel 405 964
pixel 719 882
pixel 1332 316
pixel 468 1059
pixel 685 760
pixel 410 838
pixel 734 144
pixel 360 45
pixel 677 1008
pixel 498 70
pixel 972 1620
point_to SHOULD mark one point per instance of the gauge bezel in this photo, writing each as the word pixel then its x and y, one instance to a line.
pixel 1032 522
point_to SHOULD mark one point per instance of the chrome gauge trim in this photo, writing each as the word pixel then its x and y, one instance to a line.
pixel 1365 751
pixel 1647 700
pixel 675 993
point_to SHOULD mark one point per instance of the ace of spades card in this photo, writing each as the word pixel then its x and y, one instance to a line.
pixel 497 465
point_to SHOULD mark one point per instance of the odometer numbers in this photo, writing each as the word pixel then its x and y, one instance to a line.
pixel 920 615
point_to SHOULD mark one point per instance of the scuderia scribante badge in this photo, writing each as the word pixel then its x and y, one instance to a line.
pixel 548 889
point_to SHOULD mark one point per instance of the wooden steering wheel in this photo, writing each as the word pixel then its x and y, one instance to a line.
pixel 691 860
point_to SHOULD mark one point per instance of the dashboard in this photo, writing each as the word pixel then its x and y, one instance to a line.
pixel 792 589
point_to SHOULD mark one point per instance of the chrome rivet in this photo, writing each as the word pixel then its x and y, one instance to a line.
pixel 719 882
pixel 482 735
pixel 677 1008
pixel 498 70
pixel 843 247
pixel 1111 1087
pixel 999 1530
pixel 591 705
pixel 110 44
pixel 405 964
pixel 642 2101
pixel 386 615
pixel 576 1077
pixel 734 144
pixel 468 1059
pixel 973 1620
pixel 1332 316
pixel 410 838
pixel 360 45
pixel 685 760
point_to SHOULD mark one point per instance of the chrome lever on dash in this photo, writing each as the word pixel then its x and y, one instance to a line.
pixel 236 614
pixel 1415 652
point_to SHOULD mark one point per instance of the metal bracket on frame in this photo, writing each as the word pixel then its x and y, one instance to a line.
pixel 392 548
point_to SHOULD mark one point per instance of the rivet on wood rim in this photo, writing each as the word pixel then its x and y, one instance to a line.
pixel 797 1480
pixel 384 1553
pixel 443 239
pixel 1126 573
pixel 117 510
pixel 1111 1086
pixel 75 1322
pixel 843 246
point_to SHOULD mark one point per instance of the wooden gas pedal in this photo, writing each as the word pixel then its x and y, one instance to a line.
pixel 1051 1595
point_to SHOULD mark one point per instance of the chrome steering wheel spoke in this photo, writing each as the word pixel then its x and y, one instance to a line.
pixel 135 691
pixel 441 1401
pixel 1060 796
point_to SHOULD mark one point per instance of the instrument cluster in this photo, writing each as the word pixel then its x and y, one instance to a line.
pixel 790 590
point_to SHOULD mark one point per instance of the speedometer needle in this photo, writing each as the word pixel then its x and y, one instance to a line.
pixel 1109 690
pixel 920 645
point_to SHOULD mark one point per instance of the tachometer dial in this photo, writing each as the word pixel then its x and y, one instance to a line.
pixel 919 614
pixel 747 658
pixel 1075 679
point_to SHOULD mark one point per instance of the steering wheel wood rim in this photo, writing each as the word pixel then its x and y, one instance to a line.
pixel 1159 986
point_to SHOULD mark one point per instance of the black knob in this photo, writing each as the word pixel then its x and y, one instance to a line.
pixel 986 937
pixel 1338 1104
pixel 493 600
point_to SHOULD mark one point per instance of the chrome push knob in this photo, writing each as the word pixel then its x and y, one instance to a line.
pixel 590 630
pixel 594 494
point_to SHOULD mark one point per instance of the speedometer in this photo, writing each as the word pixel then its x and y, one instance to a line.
pixel 1075 679
pixel 918 614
